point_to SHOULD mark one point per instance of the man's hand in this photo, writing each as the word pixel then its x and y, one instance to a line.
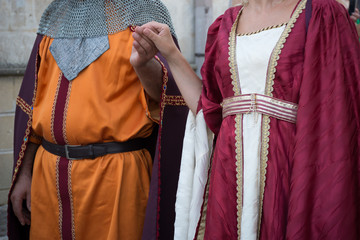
pixel 21 193
pixel 22 188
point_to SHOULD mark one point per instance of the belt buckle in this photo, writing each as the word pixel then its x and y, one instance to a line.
pixel 67 152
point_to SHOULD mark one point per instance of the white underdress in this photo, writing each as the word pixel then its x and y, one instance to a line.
pixel 252 57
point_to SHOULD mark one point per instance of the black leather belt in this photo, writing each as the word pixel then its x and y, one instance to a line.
pixel 92 151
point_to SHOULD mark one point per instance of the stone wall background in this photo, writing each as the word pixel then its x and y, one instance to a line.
pixel 18 25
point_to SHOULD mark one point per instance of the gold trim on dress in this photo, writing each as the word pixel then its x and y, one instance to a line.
pixel 238 122
pixel 239 168
pixel 200 234
pixel 265 131
pixel 232 56
pixel 262 30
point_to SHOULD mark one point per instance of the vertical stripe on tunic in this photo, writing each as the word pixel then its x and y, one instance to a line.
pixel 63 170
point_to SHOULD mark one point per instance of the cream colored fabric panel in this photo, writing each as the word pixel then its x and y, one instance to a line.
pixel 252 56
pixel 194 168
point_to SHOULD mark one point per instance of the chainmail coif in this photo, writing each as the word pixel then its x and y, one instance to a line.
pixel 94 18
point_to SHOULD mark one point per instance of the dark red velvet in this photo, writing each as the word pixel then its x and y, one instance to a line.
pixel 221 218
pixel 324 167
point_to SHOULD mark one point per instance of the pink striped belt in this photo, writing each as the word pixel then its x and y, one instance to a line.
pixel 248 103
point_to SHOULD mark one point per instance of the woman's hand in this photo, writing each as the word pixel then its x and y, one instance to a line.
pixel 143 50
pixel 160 36
pixel 355 15
pixel 153 37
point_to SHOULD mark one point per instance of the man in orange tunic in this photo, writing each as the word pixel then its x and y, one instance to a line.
pixel 83 168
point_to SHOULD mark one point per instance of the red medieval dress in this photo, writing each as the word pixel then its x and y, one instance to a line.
pixel 309 166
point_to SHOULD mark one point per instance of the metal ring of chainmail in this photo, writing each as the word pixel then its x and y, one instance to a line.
pixel 94 18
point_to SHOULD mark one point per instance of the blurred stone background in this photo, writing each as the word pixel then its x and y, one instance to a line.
pixel 18 25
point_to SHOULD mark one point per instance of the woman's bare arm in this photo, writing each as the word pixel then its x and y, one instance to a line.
pixel 161 39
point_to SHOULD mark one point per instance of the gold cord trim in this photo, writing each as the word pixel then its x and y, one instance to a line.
pixel 164 88
pixel 262 29
pixel 28 127
pixel 23 105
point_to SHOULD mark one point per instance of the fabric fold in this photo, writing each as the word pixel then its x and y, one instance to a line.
pixel 195 164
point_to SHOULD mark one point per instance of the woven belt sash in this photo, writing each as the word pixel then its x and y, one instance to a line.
pixel 248 103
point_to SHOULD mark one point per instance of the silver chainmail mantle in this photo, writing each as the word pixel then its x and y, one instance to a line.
pixel 94 18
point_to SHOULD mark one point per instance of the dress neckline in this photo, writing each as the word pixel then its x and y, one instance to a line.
pixel 262 29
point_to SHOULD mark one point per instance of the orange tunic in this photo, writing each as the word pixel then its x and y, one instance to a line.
pixel 106 102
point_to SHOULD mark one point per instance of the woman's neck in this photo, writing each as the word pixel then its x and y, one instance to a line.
pixel 261 5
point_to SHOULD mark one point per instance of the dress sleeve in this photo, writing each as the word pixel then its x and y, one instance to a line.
pixel 325 171
pixel 211 97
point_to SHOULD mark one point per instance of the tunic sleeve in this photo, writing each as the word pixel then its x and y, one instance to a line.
pixel 325 174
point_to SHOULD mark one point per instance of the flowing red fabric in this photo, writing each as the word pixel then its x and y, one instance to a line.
pixel 221 217
pixel 312 188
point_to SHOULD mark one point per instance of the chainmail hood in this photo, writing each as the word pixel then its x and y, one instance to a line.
pixel 94 18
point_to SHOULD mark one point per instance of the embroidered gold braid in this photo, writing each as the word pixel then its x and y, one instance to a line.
pixel 175 100
pixel 237 123
pixel 66 112
pixel 53 107
pixel 58 196
pixel 164 88
pixel 28 127
pixel 71 199
pixel 23 105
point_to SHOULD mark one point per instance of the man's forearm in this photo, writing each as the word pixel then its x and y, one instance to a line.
pixel 29 157
pixel 150 75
